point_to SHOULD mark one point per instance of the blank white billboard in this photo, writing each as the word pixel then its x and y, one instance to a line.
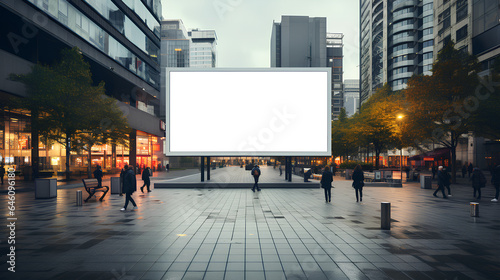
pixel 248 112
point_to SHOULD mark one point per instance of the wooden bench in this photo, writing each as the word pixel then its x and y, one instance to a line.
pixel 92 186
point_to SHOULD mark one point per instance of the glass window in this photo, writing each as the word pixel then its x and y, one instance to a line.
pixel 462 33
pixel 428 55
pixel 428 43
pixel 427 31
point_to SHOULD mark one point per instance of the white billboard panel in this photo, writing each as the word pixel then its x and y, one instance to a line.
pixel 248 112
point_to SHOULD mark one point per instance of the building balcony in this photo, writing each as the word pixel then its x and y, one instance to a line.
pixel 403 16
pixel 403 52
pixel 406 75
pixel 403 28
pixel 410 62
pixel 405 39
pixel 403 3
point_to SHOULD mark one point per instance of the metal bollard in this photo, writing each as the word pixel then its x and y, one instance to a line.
pixel 385 219
pixel 474 209
pixel 79 199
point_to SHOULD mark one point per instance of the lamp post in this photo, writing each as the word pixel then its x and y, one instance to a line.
pixel 400 119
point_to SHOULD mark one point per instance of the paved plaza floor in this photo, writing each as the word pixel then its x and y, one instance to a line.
pixel 214 233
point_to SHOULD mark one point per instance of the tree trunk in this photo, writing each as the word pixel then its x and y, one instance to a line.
pixel 89 161
pixel 68 159
pixel 453 164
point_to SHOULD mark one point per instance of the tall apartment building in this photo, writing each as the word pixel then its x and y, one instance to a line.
pixel 396 41
pixel 453 21
pixel 203 50
pixel 301 41
pixel 485 32
pixel 121 42
pixel 175 44
pixel 334 56
pixel 351 96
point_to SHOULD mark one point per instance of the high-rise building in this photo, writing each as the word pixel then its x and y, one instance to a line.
pixel 452 22
pixel 334 56
pixel 396 41
pixel 175 44
pixel 203 50
pixel 485 32
pixel 121 42
pixel 301 41
pixel 351 96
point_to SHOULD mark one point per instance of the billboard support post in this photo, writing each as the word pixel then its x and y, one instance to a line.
pixel 202 165
pixel 209 166
pixel 289 169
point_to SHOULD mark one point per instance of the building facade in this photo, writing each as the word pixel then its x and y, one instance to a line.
pixel 301 41
pixel 334 56
pixel 121 42
pixel 203 50
pixel 351 96
pixel 396 41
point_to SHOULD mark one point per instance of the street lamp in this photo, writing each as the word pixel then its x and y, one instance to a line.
pixel 400 118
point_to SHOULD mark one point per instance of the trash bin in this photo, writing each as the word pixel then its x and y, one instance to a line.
pixel 425 182
pixel 45 188
pixel 474 209
pixel 115 185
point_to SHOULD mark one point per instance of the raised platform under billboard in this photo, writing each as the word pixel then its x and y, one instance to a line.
pixel 248 112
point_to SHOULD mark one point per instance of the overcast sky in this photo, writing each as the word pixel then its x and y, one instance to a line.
pixel 244 27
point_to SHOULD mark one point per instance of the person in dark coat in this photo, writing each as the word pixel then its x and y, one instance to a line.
pixel 495 180
pixel 326 183
pixel 256 174
pixel 129 187
pixel 433 172
pixel 464 170
pixel 281 170
pixel 478 181
pixel 146 173
pixel 447 180
pixel 122 175
pixel 470 168
pixel 2 172
pixel 441 176
pixel 358 179
pixel 98 175
pixel 334 168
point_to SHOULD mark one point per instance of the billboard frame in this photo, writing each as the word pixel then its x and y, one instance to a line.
pixel 328 96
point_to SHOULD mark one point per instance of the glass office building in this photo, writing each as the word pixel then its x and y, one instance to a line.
pixel 121 42
pixel 396 41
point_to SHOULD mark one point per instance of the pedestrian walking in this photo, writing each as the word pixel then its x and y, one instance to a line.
pixel 464 170
pixel 281 170
pixel 447 180
pixel 168 167
pixel 478 181
pixel 358 179
pixel 334 168
pixel 441 182
pixel 98 175
pixel 495 180
pixel 129 186
pixel 470 168
pixel 256 174
pixel 2 172
pixel 326 183
pixel 145 177
pixel 122 175
pixel 433 169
